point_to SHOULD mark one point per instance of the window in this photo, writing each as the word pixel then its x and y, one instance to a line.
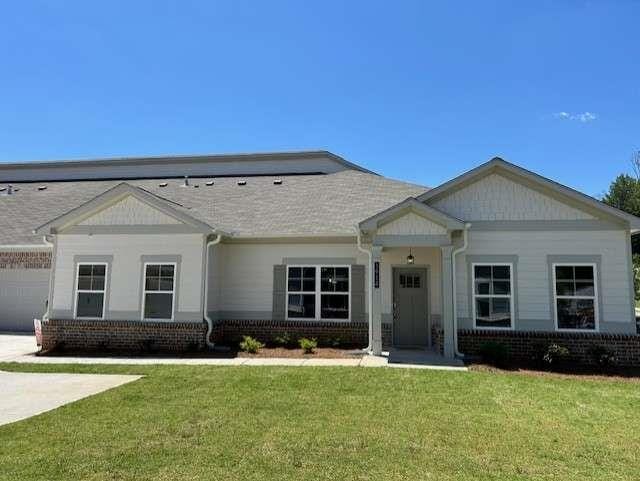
pixel 576 307
pixel 159 290
pixel 90 290
pixel 318 292
pixel 492 297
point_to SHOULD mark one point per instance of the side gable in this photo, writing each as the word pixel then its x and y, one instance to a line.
pixel 411 224
pixel 130 211
pixel 501 191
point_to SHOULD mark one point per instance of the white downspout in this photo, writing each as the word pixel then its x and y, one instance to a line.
pixel 369 287
pixel 465 242
pixel 205 309
pixel 45 316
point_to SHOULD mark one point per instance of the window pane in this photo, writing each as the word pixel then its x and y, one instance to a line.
pixel 493 312
pixel 97 283
pixel 403 280
pixel 482 311
pixel 327 279
pixel 482 286
pixel 166 270
pixel 166 284
pixel 564 288
pixel 416 282
pixel 501 288
pixel 84 283
pixel 99 270
pixel 501 272
pixel 152 284
pixel 342 279
pixel 295 284
pixel 309 272
pixel 584 273
pixel 84 270
pixel 158 306
pixel 302 306
pixel 153 270
pixel 295 272
pixel 585 288
pixel 334 307
pixel 576 314
pixel 410 282
pixel 564 272
pixel 483 272
pixel 89 304
pixel 309 284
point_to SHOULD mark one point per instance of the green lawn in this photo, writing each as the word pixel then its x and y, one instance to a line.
pixel 262 423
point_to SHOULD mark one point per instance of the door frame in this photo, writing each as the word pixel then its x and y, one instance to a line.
pixel 427 290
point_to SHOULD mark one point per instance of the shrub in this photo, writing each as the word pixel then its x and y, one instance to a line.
pixel 307 345
pixel 250 345
pixel 495 353
pixel 602 356
pixel 284 339
pixel 552 355
pixel 336 342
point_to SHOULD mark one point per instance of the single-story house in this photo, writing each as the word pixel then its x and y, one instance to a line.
pixel 179 252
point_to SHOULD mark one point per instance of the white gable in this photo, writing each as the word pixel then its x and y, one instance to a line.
pixel 495 197
pixel 411 224
pixel 130 211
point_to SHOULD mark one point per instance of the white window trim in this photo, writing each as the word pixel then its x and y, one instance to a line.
pixel 145 291
pixel 79 291
pixel 318 293
pixel 511 296
pixel 596 307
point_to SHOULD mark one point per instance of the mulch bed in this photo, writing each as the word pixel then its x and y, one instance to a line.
pixel 320 352
pixel 614 374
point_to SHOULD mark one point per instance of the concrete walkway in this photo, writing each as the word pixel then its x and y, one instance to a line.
pixel 28 394
pixel 16 348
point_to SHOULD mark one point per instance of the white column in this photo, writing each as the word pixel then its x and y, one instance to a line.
pixel 375 334
pixel 447 301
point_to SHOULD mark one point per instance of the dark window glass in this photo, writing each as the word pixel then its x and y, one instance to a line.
pixel 90 304
pixel 493 312
pixel 302 306
pixel 159 277
pixel 576 314
pixel 334 306
pixel 564 273
pixel 158 305
pixel 334 279
pixel 416 282
pixel 302 279
pixel 565 288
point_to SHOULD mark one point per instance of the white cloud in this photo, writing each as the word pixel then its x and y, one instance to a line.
pixel 584 117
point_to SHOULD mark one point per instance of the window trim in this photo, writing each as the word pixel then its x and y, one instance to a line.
pixel 172 292
pixel 596 304
pixel 511 296
pixel 78 291
pixel 318 293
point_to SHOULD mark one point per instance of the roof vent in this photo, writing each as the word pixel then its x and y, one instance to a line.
pixel 42 187
pixel 277 181
pixel 10 190
pixel 210 182
pixel 2 189
pixel 163 184
pixel 242 182
pixel 196 185
pixel 186 181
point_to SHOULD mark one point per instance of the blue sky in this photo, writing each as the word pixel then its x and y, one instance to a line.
pixel 414 90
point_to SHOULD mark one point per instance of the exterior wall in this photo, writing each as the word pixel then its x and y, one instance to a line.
pixel 130 211
pixel 123 336
pixel 126 255
pixel 495 197
pixel 412 224
pixel 534 295
pixel 24 287
pixel 241 281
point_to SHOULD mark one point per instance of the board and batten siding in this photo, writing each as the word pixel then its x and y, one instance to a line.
pixel 128 253
pixel 534 291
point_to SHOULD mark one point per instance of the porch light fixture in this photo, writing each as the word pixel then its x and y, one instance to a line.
pixel 410 258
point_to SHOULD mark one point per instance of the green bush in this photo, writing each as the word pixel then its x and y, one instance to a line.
pixel 307 345
pixel 602 356
pixel 250 345
pixel 284 340
pixel 552 355
pixel 495 353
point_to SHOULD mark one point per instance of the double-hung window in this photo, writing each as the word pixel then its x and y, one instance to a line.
pixel 90 290
pixel 159 291
pixel 492 296
pixel 575 296
pixel 318 292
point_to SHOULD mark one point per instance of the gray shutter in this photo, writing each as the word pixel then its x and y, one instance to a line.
pixel 279 292
pixel 357 293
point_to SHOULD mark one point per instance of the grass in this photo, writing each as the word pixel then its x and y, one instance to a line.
pixel 262 423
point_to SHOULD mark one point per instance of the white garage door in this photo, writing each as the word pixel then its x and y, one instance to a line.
pixel 23 294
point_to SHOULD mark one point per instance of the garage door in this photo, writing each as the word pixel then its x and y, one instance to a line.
pixel 24 287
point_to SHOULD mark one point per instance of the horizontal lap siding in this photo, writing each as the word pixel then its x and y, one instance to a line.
pixel 532 249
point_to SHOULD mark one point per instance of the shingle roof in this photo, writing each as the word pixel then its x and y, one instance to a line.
pixel 303 205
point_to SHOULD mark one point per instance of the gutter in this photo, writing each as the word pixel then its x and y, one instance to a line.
pixel 465 243
pixel 369 289
pixel 205 307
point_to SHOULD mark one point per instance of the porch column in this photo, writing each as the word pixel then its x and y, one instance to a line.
pixel 375 334
pixel 447 301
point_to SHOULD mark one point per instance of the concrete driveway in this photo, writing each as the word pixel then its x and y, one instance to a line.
pixel 14 346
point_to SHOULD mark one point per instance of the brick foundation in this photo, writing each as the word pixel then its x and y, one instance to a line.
pixel 348 333
pixel 523 346
pixel 25 259
pixel 123 336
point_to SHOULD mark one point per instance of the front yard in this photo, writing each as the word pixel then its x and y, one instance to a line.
pixel 262 423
